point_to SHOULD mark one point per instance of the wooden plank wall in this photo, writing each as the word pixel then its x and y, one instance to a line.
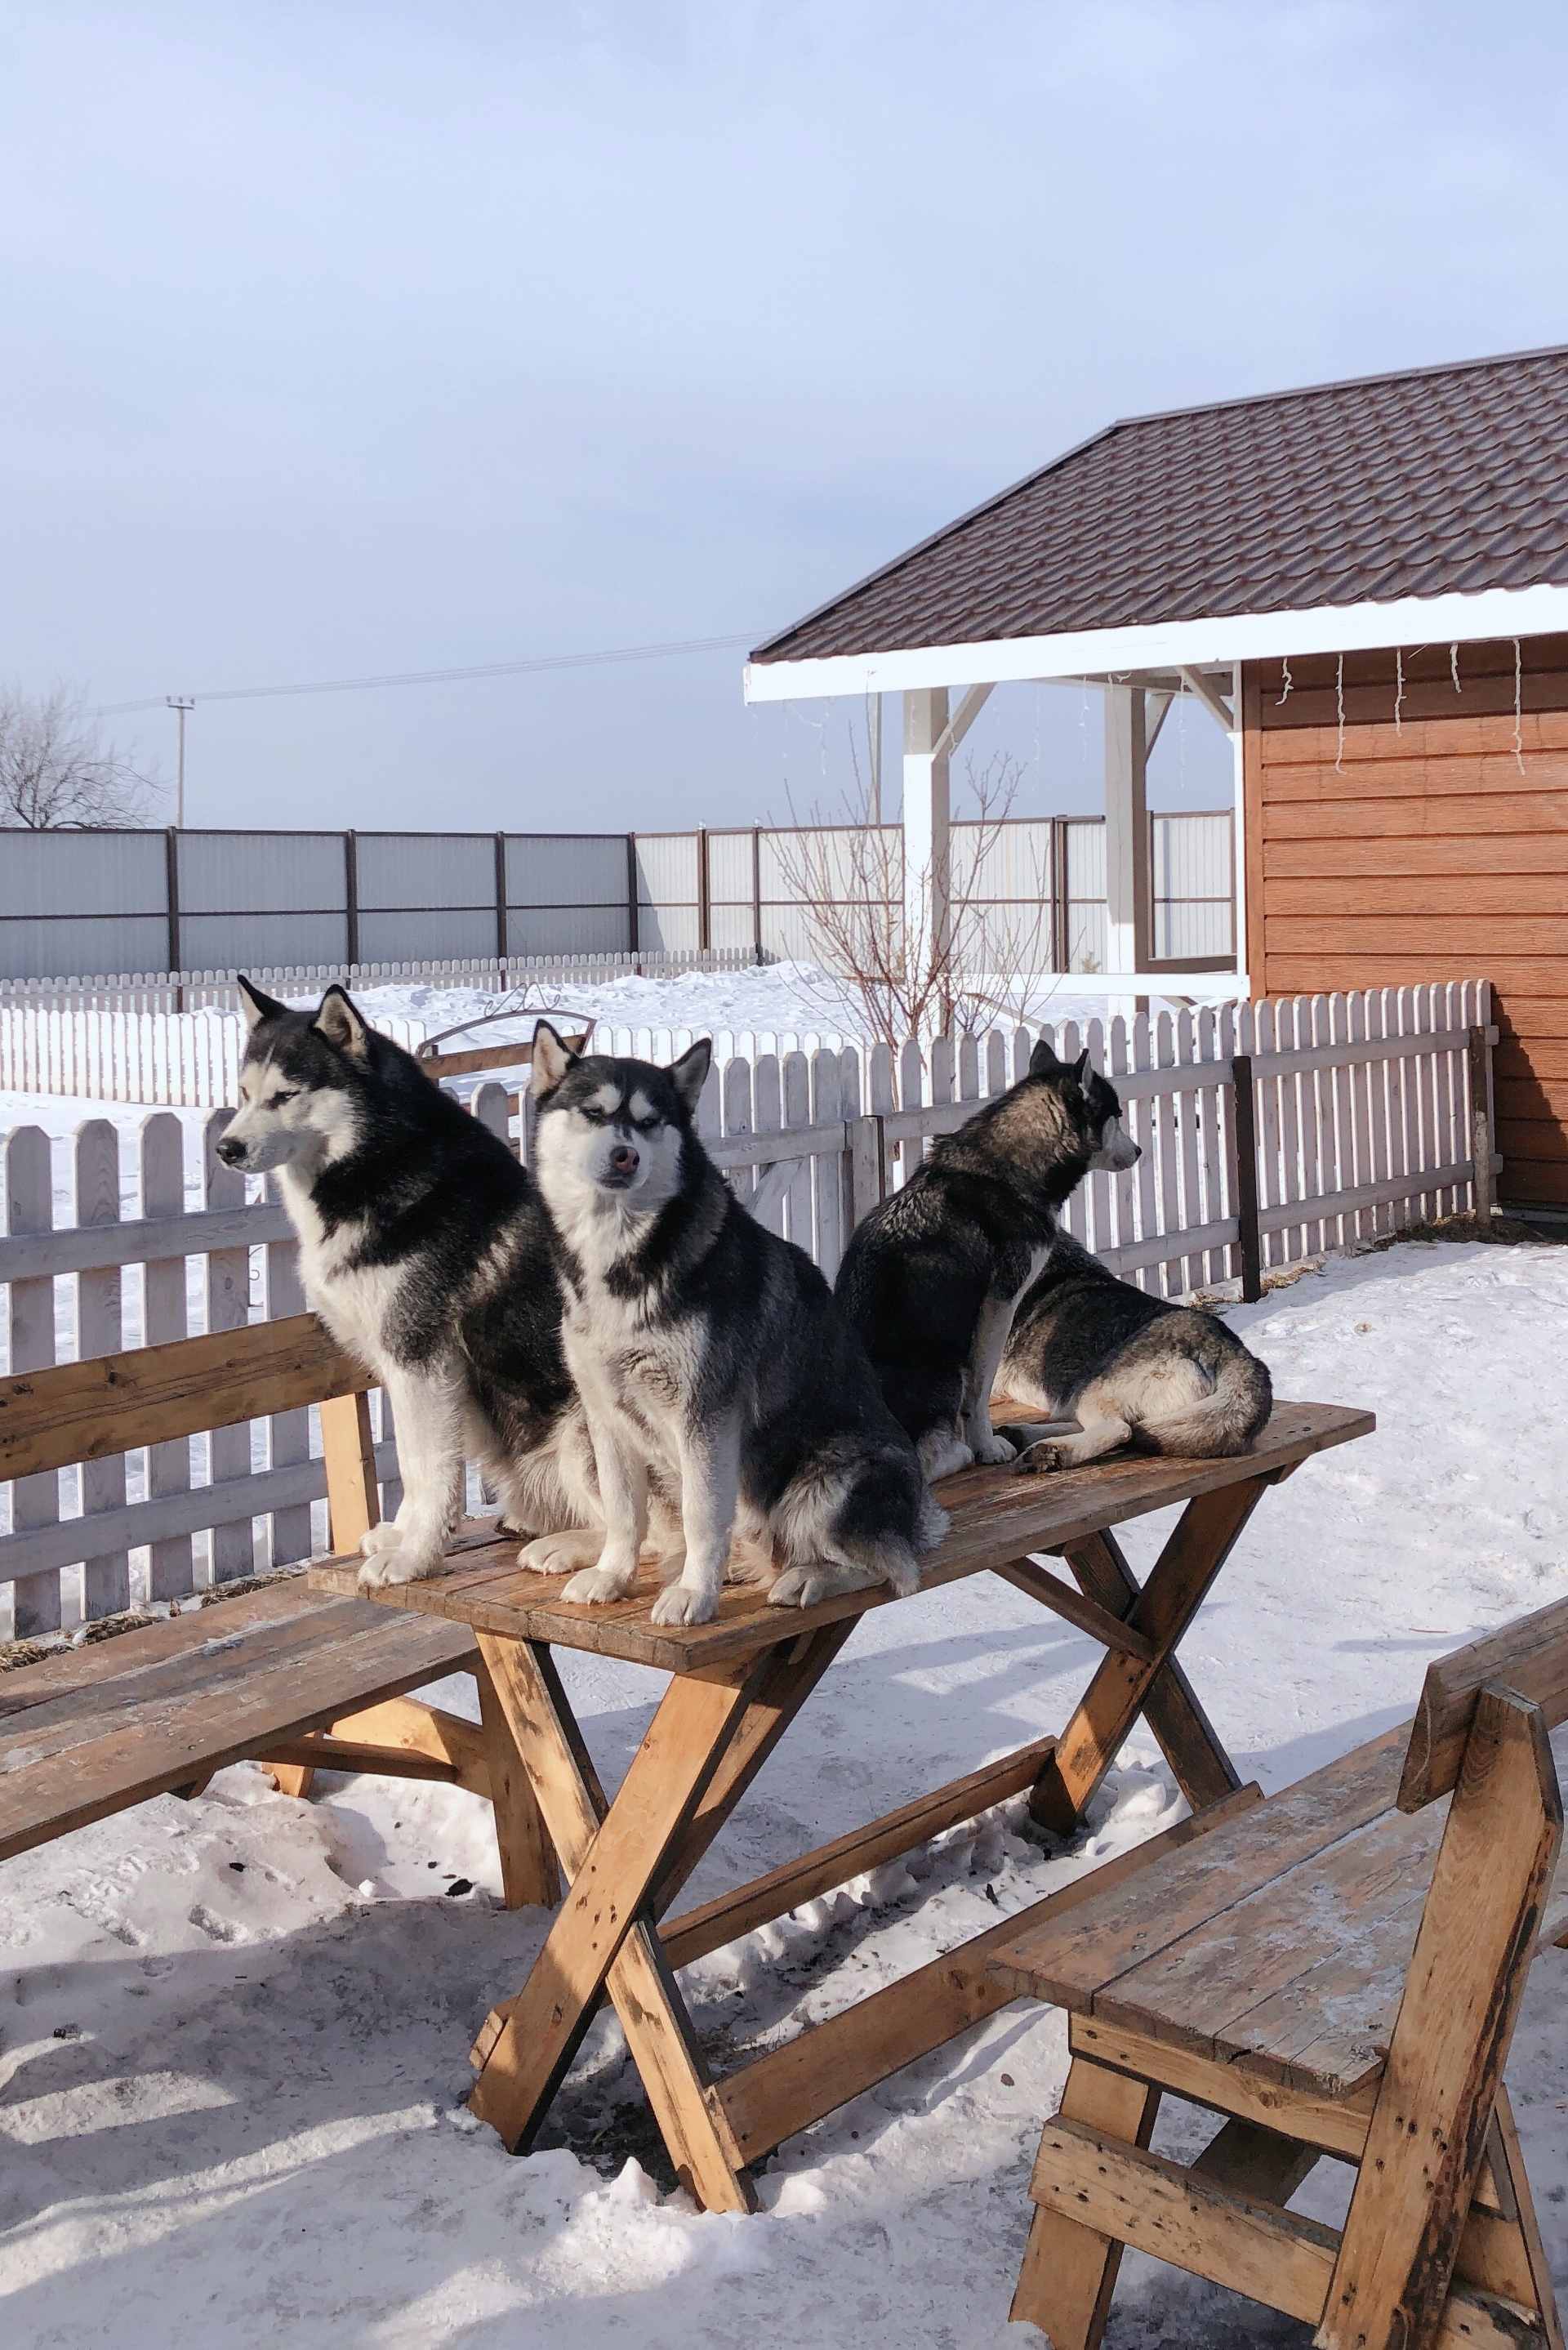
pixel 1409 842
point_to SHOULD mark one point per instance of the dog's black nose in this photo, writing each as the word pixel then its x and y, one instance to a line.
pixel 622 1159
pixel 230 1152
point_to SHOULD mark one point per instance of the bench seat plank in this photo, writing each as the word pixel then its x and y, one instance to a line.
pixel 1280 1944
pixel 186 1698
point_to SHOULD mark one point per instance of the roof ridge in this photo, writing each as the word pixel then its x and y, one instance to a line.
pixel 1316 390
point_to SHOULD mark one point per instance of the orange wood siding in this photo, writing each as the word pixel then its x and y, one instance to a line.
pixel 1384 851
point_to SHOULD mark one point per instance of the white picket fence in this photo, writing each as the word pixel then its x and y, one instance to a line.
pixel 1368 1111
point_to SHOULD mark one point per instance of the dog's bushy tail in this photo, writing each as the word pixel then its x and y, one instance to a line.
pixel 931 1523
pixel 1227 1421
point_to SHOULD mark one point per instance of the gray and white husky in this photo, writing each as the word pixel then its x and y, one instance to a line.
pixel 1129 1368
pixel 710 1350
pixel 933 1277
pixel 425 1251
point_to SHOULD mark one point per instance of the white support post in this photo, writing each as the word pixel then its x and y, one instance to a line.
pixel 1129 896
pixel 927 817
pixel 1239 835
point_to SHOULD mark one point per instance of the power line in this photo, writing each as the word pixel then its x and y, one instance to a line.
pixel 448 676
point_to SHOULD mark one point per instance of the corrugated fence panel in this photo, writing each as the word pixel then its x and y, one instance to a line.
pixel 72 873
pixel 421 871
pixel 262 873
pixel 667 890
pixel 82 901
pixel 566 868
pixel 567 893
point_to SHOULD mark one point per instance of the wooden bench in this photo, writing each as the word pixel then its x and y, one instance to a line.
pixel 1336 1971
pixel 279 1675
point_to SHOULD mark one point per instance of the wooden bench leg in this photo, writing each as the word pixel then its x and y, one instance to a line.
pixel 291 1778
pixel 1431 2124
pixel 1501 2252
pixel 1069 2272
pixel 530 1871
pixel 1199 1764
pixel 601 1937
pixel 1182 1576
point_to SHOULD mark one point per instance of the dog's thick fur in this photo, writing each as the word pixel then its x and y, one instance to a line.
pixel 424 1249
pixel 708 1348
pixel 1127 1368
pixel 932 1276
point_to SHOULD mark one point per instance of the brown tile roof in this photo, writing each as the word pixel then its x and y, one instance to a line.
pixel 1438 480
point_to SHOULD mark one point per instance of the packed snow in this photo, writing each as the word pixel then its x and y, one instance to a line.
pixel 234 2032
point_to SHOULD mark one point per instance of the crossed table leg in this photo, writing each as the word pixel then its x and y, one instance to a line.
pixel 626 1860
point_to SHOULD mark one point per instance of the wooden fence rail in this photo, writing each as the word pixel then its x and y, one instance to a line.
pixel 1270 1132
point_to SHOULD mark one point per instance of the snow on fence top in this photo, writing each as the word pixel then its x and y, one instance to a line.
pixel 1367 1112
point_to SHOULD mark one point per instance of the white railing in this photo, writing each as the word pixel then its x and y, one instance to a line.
pixel 1364 1113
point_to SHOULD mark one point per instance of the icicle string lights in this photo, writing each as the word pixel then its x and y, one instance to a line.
pixel 1399 688
pixel 1339 703
pixel 1454 667
pixel 1518 710
pixel 1286 695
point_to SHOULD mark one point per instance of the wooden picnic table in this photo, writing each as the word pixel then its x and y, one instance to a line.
pixel 736 1686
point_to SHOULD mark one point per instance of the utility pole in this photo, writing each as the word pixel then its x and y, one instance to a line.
pixel 180 705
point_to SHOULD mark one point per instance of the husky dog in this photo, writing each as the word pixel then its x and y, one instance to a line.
pixel 1126 1367
pixel 708 1348
pixel 931 1277
pixel 426 1253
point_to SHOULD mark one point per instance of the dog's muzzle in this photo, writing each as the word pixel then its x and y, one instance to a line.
pixel 231 1150
pixel 621 1164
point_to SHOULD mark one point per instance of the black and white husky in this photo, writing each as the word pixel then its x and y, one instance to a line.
pixel 425 1251
pixel 710 1351
pixel 1129 1368
pixel 932 1276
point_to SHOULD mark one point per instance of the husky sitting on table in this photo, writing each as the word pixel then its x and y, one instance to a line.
pixel 1127 1368
pixel 708 1348
pixel 932 1276
pixel 425 1251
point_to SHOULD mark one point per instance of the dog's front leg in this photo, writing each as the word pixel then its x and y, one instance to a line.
pixel 710 1488
pixel 623 1495
pixel 990 1338
pixel 429 1407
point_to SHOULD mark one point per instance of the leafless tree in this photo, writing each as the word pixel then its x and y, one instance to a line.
pixel 848 876
pixel 57 774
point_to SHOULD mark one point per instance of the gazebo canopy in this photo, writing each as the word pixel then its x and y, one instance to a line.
pixel 1424 505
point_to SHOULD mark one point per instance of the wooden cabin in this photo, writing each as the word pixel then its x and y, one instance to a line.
pixel 1365 585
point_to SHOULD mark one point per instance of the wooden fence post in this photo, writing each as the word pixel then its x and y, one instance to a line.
pixel 1480 1136
pixel 1246 1174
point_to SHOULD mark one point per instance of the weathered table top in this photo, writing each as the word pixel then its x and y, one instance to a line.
pixel 997 1517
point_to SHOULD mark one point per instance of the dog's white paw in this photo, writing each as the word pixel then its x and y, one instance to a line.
pixel 677 1603
pixel 594 1586
pixel 992 1450
pixel 386 1536
pixel 563 1552
pixel 943 1456
pixel 408 1563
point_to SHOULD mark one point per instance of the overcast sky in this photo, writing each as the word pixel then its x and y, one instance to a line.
pixel 343 339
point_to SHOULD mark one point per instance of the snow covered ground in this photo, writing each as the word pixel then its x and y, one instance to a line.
pixel 233 2032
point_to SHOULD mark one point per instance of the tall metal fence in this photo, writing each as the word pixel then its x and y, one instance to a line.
pixel 86 904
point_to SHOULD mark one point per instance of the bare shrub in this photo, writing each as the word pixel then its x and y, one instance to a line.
pixel 847 874
pixel 55 771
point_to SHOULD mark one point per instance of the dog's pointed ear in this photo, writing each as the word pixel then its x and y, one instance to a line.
pixel 1043 1061
pixel 256 1005
pixel 551 1058
pixel 689 1075
pixel 1081 1063
pixel 341 1023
